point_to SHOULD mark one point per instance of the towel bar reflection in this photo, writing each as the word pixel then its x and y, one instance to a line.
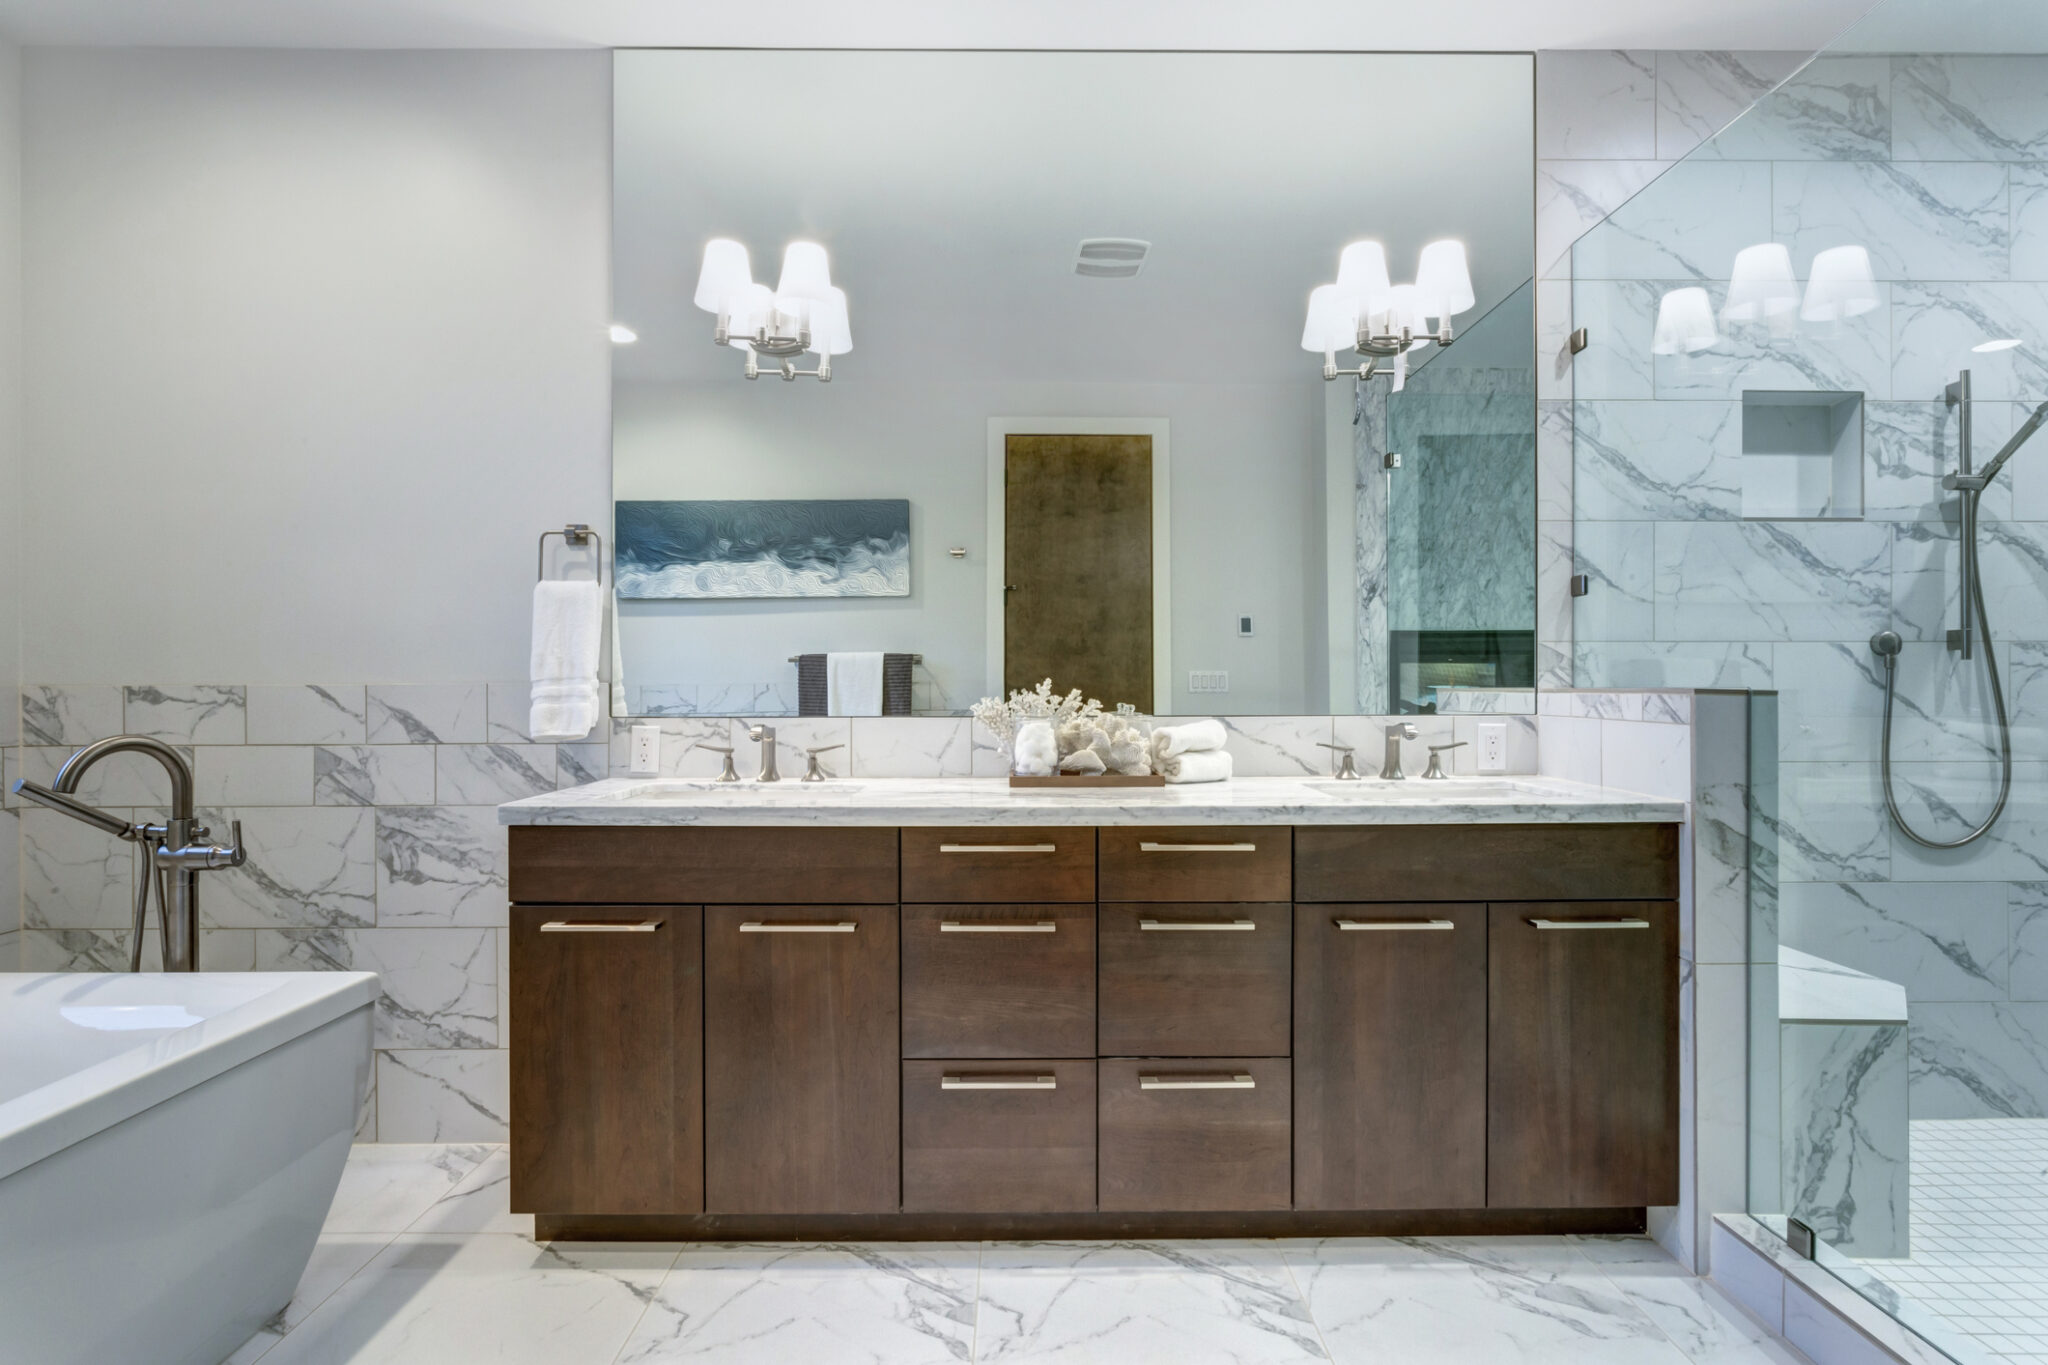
pixel 915 658
pixel 577 534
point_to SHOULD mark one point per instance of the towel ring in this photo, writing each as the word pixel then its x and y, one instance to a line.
pixel 576 533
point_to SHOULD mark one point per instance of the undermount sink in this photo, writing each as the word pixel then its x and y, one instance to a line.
pixel 677 788
pixel 1373 789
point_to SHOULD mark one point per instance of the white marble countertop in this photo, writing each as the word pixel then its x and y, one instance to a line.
pixel 991 801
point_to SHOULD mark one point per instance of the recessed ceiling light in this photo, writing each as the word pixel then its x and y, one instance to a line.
pixel 2003 344
pixel 623 335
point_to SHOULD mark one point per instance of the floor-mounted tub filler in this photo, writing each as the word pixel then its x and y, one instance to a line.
pixel 169 1145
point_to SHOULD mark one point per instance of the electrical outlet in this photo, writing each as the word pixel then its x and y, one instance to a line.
pixel 1212 681
pixel 1493 746
pixel 646 758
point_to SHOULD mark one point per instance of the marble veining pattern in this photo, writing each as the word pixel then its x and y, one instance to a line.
pixel 187 715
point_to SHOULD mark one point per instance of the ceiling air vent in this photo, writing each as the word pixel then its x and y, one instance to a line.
pixel 1111 258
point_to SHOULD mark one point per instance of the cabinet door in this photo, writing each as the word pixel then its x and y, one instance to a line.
pixel 607 1048
pixel 800 1064
pixel 1194 980
pixel 1582 1076
pixel 1389 1056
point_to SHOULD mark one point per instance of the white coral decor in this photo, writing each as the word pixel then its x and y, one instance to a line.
pixel 1083 738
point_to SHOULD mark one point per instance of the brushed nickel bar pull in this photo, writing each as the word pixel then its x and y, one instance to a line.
pixel 1392 925
pixel 999 848
pixel 998 1081
pixel 1590 923
pixel 785 926
pixel 1197 1080
pixel 1147 846
pixel 1182 926
pixel 600 926
pixel 1043 926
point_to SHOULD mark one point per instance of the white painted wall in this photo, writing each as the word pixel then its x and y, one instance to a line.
pixel 10 471
pixel 320 350
pixel 1247 484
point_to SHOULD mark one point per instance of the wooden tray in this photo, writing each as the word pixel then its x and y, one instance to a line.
pixel 1082 781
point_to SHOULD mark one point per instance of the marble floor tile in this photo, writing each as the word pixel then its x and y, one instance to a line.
pixel 1533 1300
pixel 905 1303
pixel 480 1203
pixel 435 1300
pixel 1702 1321
pixel 386 1186
pixel 1141 1303
pixel 336 1257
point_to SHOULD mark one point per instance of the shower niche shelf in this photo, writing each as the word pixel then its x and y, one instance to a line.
pixel 1802 456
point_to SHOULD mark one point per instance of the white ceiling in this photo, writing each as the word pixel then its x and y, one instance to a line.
pixel 952 190
pixel 1307 25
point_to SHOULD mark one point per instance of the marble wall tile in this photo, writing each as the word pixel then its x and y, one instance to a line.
pixel 1852 356
pixel 1941 707
pixel 10 876
pixel 440 865
pixel 487 774
pixel 1909 446
pixel 1620 317
pixel 1596 104
pixel 1844 1113
pixel 1603 705
pixel 1927 578
pixel 1654 663
pixel 253 775
pixel 315 713
pixel 1831 698
pixel 576 764
pixel 1687 226
pixel 1922 220
pixel 666 699
pixel 1941 942
pixel 1934 327
pixel 1701 93
pixel 1657 461
pixel 373 775
pixel 1554 570
pixel 1619 561
pixel 1553 663
pixel 122 780
pixel 2028 186
pixel 507 708
pixel 10 950
pixel 1772 580
pixel 1554 460
pixel 69 716
pixel 1970 108
pixel 308 866
pixel 987 757
pixel 884 746
pixel 1720 1095
pixel 1653 759
pixel 74 950
pixel 681 741
pixel 1278 746
pixel 1830 824
pixel 1667 708
pixel 195 714
pixel 431 1095
pixel 747 698
pixel 1974 1061
pixel 1553 338
pixel 2027 978
pixel 1573 197
pixel 440 986
pixel 433 713
pixel 1569 747
pixel 72 875
pixel 1837 108
pixel 1945 800
pixel 1370 548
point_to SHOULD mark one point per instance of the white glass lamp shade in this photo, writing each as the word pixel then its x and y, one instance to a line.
pixel 1762 285
pixel 1841 285
pixel 805 274
pixel 1332 321
pixel 1685 323
pixel 1444 279
pixel 753 309
pixel 1362 277
pixel 830 332
pixel 1407 309
pixel 724 277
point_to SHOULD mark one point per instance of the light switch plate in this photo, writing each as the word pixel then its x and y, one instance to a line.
pixel 646 755
pixel 1217 680
pixel 1493 746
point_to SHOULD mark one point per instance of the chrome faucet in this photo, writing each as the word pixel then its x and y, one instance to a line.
pixel 766 734
pixel 1391 769
pixel 179 849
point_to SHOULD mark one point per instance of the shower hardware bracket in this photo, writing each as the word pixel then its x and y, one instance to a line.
pixel 1579 340
pixel 1390 460
pixel 1581 584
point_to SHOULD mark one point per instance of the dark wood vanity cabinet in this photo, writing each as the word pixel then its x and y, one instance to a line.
pixel 999 980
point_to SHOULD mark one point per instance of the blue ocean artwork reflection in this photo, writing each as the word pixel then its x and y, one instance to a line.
pixel 792 548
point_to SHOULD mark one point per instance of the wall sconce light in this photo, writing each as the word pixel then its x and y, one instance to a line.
pixel 1365 312
pixel 1685 323
pixel 804 312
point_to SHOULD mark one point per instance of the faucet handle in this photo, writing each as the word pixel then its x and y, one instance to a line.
pixel 1436 765
pixel 813 771
pixel 730 774
pixel 1347 769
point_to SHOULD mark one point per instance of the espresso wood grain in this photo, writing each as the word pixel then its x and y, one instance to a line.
pixel 1179 992
pixel 1582 1075
pixel 998 1151
pixel 976 991
pixel 953 866
pixel 800 1062
pixel 1390 1057
pixel 635 865
pixel 1193 1149
pixel 607 1063
pixel 1196 863
pixel 1485 862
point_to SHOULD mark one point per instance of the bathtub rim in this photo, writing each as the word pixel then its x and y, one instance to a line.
pixel 87 1101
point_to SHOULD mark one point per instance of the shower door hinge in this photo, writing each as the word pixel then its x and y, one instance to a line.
pixel 1581 584
pixel 1391 460
pixel 1579 340
pixel 1800 1238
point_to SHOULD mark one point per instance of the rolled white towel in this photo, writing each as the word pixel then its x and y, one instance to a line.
pixel 1197 736
pixel 1206 765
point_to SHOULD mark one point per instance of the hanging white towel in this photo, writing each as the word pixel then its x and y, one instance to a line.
pixel 1195 737
pixel 853 684
pixel 1203 765
pixel 611 610
pixel 568 631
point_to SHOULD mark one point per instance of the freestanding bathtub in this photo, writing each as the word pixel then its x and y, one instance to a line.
pixel 169 1145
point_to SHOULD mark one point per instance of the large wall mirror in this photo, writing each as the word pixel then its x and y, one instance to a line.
pixel 1071 428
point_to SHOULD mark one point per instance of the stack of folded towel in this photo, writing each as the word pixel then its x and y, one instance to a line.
pixel 1191 752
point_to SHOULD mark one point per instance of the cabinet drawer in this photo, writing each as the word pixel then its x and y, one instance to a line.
pixel 664 865
pixel 945 866
pixel 999 980
pixel 1195 980
pixel 1485 862
pixel 1198 863
pixel 1202 1133
pixel 998 1137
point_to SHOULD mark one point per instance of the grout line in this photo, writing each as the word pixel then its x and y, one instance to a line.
pixel 1302 1294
